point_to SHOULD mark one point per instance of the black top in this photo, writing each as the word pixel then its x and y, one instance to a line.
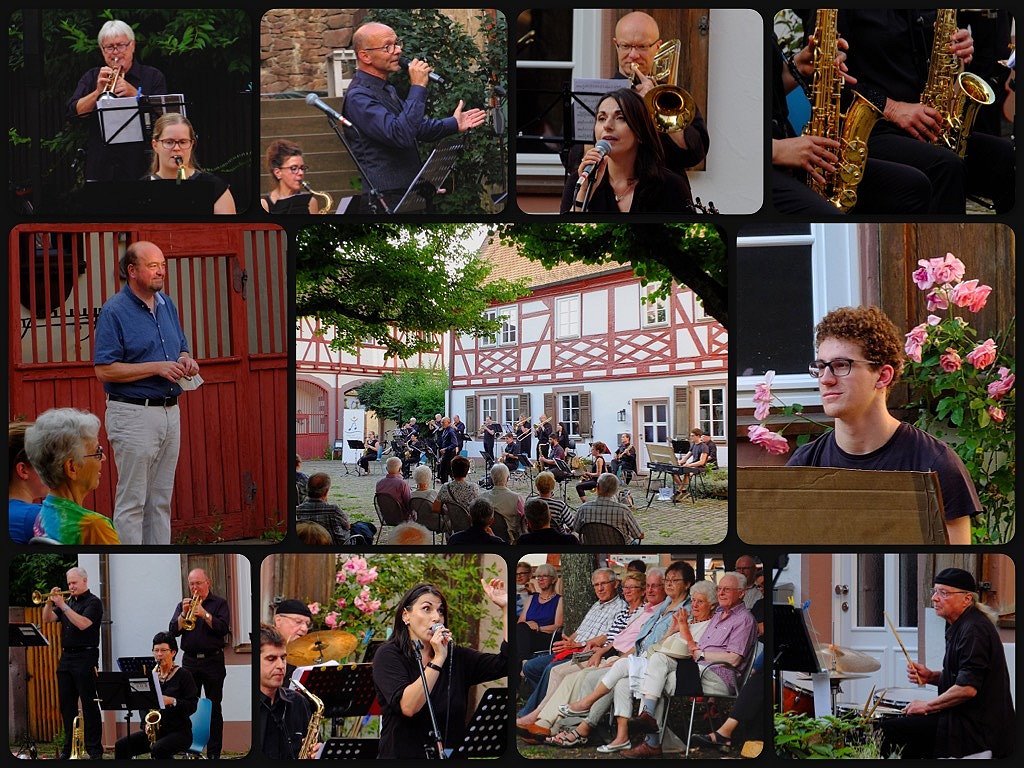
pixel 409 737
pixel 974 657
pixel 670 195
pixel 281 726
pixel 204 638
pixel 73 638
pixel 182 688
pixel 475 535
pixel 115 162
pixel 909 449
pixel 216 185
pixel 298 203
pixel 547 536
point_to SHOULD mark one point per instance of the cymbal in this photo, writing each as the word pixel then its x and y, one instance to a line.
pixel 848 660
pixel 318 647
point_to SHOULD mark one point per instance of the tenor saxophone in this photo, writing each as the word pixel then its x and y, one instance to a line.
pixel 851 128
pixel 955 94
pixel 309 742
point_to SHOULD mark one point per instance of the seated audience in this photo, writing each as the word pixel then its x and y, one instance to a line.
pixel 411 534
pixel 313 533
pixel 562 515
pixel 538 525
pixel 524 573
pixel 606 509
pixel 542 613
pixel 506 503
pixel 481 515
pixel 423 477
pixel 316 509
pixel 457 489
pixel 394 485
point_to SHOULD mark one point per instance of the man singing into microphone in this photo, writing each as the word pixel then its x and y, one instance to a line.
pixel 387 128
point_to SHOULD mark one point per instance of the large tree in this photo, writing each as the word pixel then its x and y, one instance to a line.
pixel 397 396
pixel 396 285
pixel 693 255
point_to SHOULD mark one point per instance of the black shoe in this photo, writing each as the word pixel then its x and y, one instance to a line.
pixel 715 740
pixel 642 723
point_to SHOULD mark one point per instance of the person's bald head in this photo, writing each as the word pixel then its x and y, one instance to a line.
pixel 640 30
pixel 367 35
pixel 369 41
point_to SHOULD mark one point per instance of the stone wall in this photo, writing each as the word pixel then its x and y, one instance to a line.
pixel 295 43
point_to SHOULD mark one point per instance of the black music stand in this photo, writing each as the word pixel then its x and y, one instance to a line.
pixel 488 460
pixel 486 734
pixel 355 445
pixel 25 636
pixel 137 668
pixel 795 649
pixel 144 197
pixel 120 691
pixel 431 175
pixel 294 204
pixel 350 749
pixel 679 447
pixel 120 120
pixel 345 689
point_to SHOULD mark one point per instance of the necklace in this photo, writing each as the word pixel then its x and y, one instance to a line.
pixel 627 192
pixel 165 677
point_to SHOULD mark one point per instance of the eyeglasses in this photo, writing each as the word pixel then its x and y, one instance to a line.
pixel 638 47
pixel 522 573
pixel 97 455
pixel 760 586
pixel 727 589
pixel 114 47
pixel 172 143
pixel 632 586
pixel 671 581
pixel 389 48
pixel 543 576
pixel 295 168
pixel 840 366
pixel 943 593
pixel 601 583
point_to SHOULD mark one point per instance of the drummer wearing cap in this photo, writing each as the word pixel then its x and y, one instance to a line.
pixel 292 618
pixel 973 714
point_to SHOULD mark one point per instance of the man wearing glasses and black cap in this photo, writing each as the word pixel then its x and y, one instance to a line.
pixel 973 714
pixel 860 356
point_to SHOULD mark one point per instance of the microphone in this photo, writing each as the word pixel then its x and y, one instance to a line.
pixel 315 101
pixel 434 77
pixel 439 627
pixel 603 147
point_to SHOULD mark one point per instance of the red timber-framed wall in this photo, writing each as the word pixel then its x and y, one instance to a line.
pixel 229 283
pixel 323 376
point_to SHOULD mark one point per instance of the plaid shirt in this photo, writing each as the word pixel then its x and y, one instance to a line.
pixel 329 516
pixel 610 512
pixel 598 619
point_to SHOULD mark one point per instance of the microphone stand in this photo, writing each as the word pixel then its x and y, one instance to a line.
pixel 374 197
pixel 435 734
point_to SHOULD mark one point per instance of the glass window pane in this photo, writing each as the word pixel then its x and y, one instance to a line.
pixel 908 591
pixel 542 34
pixel 662 433
pixel 870 589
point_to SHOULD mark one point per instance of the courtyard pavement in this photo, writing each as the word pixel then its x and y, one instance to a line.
pixel 703 523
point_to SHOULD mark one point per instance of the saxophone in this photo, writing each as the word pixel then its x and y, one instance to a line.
pixel 153 718
pixel 851 129
pixel 313 731
pixel 956 95
pixel 78 739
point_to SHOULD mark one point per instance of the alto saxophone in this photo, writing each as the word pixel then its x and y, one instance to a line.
pixel 851 129
pixel 309 742
pixel 152 723
pixel 955 94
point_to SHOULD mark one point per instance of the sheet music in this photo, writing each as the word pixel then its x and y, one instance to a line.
pixel 156 687
pixel 583 87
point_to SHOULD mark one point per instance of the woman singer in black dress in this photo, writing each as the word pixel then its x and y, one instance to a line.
pixel 631 177
pixel 450 670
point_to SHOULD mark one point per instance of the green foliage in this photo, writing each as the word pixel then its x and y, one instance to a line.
pixel 471 70
pixel 31 572
pixel 693 255
pixel 396 397
pixel 801 737
pixel 396 285
pixel 790 31
pixel 951 397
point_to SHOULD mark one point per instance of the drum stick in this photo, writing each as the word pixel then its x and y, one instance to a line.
pixel 902 646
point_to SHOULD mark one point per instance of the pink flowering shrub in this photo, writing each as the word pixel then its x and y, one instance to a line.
pixel 963 387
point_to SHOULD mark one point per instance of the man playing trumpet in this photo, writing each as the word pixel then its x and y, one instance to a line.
pixel 124 161
pixel 203 645
pixel 79 614
pixel 172 731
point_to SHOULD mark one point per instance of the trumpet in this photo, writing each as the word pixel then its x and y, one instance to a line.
pixel 188 620
pixel 671 108
pixel 38 598
pixel 108 89
pixel 324 200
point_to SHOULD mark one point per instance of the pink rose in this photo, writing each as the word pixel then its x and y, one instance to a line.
pixel 983 355
pixel 946 270
pixel 915 340
pixel 770 441
pixel 314 608
pixel 923 276
pixel 971 295
pixel 367 577
pixel 936 299
pixel 950 360
pixel 997 414
pixel 341 602
pixel 763 396
pixel 933 319
pixel 331 619
pixel 340 576
pixel 999 388
pixel 374 605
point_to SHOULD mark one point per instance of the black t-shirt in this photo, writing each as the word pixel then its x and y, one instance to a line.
pixel 281 726
pixel 393 670
pixel 547 536
pixel 974 657
pixel 909 449
pixel 89 606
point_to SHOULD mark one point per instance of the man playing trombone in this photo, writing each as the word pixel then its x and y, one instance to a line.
pixel 79 612
pixel 120 76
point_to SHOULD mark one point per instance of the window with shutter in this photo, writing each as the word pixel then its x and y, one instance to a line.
pixel 681 428
pixel 586 422
pixel 549 405
pixel 471 415
pixel 524 407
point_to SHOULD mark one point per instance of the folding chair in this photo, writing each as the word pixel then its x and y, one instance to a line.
pixel 458 516
pixel 601 533
pixel 434 522
pixel 389 512
pixel 500 528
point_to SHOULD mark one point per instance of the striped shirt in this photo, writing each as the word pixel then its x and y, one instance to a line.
pixel 598 619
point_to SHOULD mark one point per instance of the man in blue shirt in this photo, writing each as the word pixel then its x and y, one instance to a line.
pixel 141 356
pixel 388 129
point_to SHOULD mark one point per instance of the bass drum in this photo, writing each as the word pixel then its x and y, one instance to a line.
pixel 797 699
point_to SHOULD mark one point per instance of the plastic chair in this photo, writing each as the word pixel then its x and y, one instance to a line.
pixel 389 512
pixel 200 729
pixel 601 533
pixel 432 521
pixel 458 516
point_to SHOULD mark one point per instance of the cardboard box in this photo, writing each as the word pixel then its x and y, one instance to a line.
pixel 848 507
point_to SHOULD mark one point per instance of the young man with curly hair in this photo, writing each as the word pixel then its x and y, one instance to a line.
pixel 860 356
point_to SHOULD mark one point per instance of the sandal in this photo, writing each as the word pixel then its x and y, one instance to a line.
pixel 567 739
pixel 566 711
pixel 713 739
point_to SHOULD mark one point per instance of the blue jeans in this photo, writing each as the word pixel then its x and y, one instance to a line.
pixel 540 665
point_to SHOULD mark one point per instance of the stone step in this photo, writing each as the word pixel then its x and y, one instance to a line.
pixel 294 107
pixel 310 142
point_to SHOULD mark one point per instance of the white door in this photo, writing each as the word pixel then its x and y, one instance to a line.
pixel 868 586
pixel 652 418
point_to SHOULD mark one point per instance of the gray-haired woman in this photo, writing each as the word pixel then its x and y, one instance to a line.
pixel 63 446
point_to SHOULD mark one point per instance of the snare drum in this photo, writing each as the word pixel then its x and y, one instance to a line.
pixel 797 699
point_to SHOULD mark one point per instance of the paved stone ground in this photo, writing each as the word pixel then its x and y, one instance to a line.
pixel 702 523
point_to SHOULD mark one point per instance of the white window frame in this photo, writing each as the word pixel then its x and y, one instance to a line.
pixel 718 429
pixel 509 409
pixel 566 307
pixel 660 307
pixel 508 334
pixel 562 408
pixel 491 400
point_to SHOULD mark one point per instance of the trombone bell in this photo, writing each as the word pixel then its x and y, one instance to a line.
pixel 671 108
